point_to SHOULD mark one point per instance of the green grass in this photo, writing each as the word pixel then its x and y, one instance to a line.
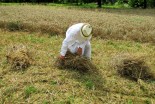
pixel 29 90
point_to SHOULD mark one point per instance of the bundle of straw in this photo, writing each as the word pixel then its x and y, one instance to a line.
pixel 18 56
pixel 135 69
pixel 74 61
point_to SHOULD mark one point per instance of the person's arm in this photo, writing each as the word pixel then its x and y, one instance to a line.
pixel 79 51
pixel 71 36
pixel 64 49
pixel 66 42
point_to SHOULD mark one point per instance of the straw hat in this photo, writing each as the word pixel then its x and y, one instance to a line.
pixel 86 31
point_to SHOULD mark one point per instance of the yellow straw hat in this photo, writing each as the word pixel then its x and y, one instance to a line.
pixel 86 31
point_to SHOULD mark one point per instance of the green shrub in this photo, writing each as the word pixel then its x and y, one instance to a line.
pixel 135 3
pixel 140 3
pixel 120 1
pixel 151 3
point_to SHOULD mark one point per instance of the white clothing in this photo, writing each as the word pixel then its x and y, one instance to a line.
pixel 74 40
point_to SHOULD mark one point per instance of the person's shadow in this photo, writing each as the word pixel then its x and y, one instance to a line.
pixel 92 79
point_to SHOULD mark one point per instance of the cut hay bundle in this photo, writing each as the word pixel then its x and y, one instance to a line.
pixel 74 61
pixel 134 68
pixel 18 56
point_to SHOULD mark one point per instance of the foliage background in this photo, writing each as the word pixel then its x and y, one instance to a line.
pixel 131 3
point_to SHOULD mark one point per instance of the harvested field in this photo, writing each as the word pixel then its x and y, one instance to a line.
pixel 41 29
pixel 104 85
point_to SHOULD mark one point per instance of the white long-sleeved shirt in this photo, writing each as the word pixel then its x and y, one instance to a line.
pixel 72 36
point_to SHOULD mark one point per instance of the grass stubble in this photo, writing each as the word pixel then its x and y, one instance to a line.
pixel 42 82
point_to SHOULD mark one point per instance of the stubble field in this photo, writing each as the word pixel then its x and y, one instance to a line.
pixel 117 34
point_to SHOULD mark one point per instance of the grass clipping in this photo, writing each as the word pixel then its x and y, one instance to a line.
pixel 134 68
pixel 18 57
pixel 74 61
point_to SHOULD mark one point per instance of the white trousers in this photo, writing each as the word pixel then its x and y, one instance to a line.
pixel 86 49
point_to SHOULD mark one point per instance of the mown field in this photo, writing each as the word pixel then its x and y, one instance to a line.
pixel 107 23
pixel 117 33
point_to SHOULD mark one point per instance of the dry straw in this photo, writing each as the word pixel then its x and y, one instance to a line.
pixel 74 61
pixel 134 68
pixel 18 57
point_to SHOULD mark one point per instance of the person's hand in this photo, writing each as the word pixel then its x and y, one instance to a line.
pixel 62 57
pixel 79 51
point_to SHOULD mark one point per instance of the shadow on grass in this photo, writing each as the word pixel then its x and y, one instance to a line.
pixel 92 79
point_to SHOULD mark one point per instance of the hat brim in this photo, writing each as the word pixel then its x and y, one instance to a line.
pixel 85 37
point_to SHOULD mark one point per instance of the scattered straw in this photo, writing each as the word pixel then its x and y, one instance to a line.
pixel 74 61
pixel 18 56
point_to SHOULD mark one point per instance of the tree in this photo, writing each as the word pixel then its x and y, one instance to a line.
pixel 145 4
pixel 99 3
